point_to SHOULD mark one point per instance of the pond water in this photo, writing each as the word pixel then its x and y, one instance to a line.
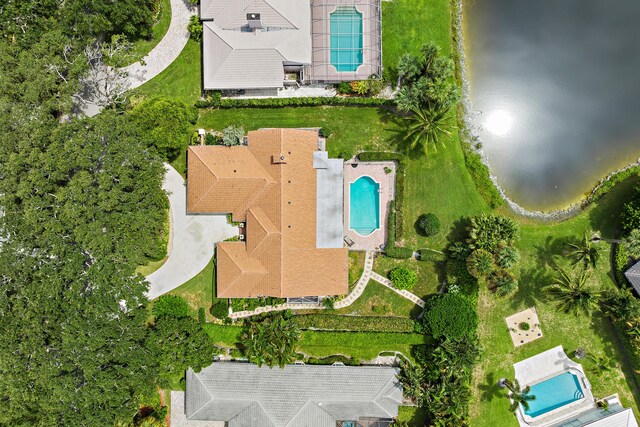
pixel 555 87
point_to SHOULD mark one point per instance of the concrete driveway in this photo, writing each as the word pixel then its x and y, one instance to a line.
pixel 191 242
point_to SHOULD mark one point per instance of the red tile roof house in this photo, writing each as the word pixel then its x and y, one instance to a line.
pixel 288 193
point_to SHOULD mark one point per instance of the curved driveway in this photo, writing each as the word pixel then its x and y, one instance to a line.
pixel 191 241
pixel 167 50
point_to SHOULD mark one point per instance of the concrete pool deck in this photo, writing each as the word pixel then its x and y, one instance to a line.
pixel 375 170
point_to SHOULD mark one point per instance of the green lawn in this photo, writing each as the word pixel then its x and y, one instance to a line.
pixel 181 79
pixel 378 300
pixel 427 272
pixel 361 345
pixel 143 46
pixel 356 267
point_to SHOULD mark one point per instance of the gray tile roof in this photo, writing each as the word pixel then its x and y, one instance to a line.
pixel 633 275
pixel 314 396
pixel 329 200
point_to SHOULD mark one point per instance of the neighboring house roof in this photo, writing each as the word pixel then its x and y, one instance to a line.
pixel 624 418
pixel 633 276
pixel 277 199
pixel 236 58
pixel 313 396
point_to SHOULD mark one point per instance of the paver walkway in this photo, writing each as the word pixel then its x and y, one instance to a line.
pixel 168 49
pixel 191 242
pixel 367 274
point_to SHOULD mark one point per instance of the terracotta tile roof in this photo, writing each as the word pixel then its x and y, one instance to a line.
pixel 271 186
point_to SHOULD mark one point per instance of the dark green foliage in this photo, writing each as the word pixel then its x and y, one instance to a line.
pixel 572 292
pixel 451 316
pixel 481 177
pixel 202 318
pixel 292 102
pixel 630 215
pixel 518 396
pixel 343 88
pixel 502 282
pixel 345 154
pixel 391 250
pixel 398 252
pixel 621 305
pixel 165 124
pixel 584 253
pixel 459 251
pixel 490 232
pixel 402 278
pixel 220 310
pixel 458 276
pixel 612 182
pixel 329 303
pixel 242 304
pixel 631 243
pixel 179 344
pixel 507 257
pixel 326 131
pixel 210 139
pixel 195 28
pixel 270 340
pixel 429 224
pixel 232 135
pixel 620 265
pixel 480 263
pixel 334 322
pixel 170 306
pixel 330 360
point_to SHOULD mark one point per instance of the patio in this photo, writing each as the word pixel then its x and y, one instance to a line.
pixel 520 335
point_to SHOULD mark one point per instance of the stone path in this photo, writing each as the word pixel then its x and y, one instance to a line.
pixel 367 274
pixel 191 241
pixel 168 49
pixel 408 295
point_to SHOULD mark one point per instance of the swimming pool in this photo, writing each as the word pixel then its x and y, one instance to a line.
pixel 346 38
pixel 364 206
pixel 554 393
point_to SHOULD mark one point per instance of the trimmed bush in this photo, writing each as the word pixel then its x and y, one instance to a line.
pixel 170 306
pixel 220 310
pixel 195 28
pixel 232 135
pixel 450 316
pixel 242 304
pixel 343 88
pixel 391 250
pixel 429 224
pixel 330 360
pixel 346 101
pixel 335 322
pixel 202 319
pixel 402 278
pixel 620 265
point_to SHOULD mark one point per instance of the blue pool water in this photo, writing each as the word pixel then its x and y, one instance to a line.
pixel 554 393
pixel 364 206
pixel 345 39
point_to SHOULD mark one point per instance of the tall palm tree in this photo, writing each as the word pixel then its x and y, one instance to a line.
pixel 572 293
pixel 426 126
pixel 584 253
pixel 519 396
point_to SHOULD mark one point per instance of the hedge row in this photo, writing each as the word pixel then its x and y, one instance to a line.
pixel 481 177
pixel 334 322
pixel 620 259
pixel 330 360
pixel 373 156
pixel 217 102
pixel 391 250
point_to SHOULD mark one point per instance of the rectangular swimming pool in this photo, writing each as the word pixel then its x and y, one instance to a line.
pixel 364 206
pixel 554 393
pixel 346 38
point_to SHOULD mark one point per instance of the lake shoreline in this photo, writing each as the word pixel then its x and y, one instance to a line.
pixel 465 123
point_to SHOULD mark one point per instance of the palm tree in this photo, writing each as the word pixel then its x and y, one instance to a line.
pixel 480 263
pixel 585 253
pixel 426 126
pixel 632 243
pixel 503 282
pixel 412 378
pixel 271 341
pixel 517 395
pixel 572 293
pixel 601 364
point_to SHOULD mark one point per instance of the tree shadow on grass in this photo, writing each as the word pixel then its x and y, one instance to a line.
pixel 490 388
pixel 459 230
pixel 553 249
pixel 397 128
pixel 531 289
pixel 605 216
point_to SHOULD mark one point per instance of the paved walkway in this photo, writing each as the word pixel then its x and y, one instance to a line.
pixel 367 274
pixel 191 241
pixel 169 47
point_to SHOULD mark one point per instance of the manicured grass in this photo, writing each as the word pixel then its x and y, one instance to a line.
pixel 149 268
pixel 356 266
pixel 142 47
pixel 181 79
pixel 428 273
pixel 199 291
pixel 361 345
pixel 408 24
pixel 378 300
pixel 416 417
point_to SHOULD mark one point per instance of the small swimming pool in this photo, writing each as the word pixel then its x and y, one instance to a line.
pixel 554 393
pixel 364 206
pixel 345 38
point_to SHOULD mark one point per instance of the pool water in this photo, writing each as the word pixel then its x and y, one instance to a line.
pixel 346 38
pixel 554 393
pixel 364 206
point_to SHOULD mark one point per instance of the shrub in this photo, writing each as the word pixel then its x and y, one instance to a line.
pixel 359 86
pixel 524 326
pixel 232 135
pixel 242 304
pixel 402 278
pixel 630 215
pixel 202 319
pixel 490 232
pixel 481 177
pixel 210 140
pixel 220 310
pixel 347 101
pixel 343 88
pixel 270 340
pixel 480 263
pixel 195 28
pixel 503 282
pixel 458 275
pixel 429 224
pixel 329 303
pixel 326 131
pixel 170 306
pixel 374 85
pixel 345 154
pixel 330 360
pixel 335 322
pixel 620 265
pixel 507 257
pixel 450 316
